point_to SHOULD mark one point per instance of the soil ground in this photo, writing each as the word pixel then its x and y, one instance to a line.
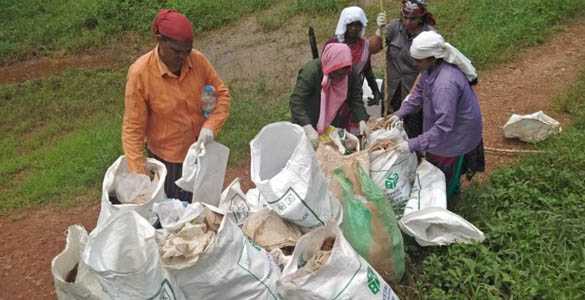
pixel 30 239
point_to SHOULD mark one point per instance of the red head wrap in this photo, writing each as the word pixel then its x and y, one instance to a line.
pixel 417 8
pixel 172 24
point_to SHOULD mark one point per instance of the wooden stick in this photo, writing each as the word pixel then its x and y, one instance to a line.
pixel 383 29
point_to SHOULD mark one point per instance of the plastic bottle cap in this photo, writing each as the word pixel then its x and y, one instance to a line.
pixel 208 88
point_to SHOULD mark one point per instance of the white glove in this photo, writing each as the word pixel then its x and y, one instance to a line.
pixel 403 147
pixel 381 20
pixel 364 130
pixel 205 135
pixel 312 135
pixel 393 119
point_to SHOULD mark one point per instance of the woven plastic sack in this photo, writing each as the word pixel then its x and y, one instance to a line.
pixel 370 226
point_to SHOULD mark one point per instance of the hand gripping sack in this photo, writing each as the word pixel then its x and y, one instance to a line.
pixel 426 217
pixel 392 170
pixel 370 226
pixel 204 171
pixel 344 274
pixel 287 174
pixel 85 284
pixel 231 267
pixel 123 254
pixel 120 168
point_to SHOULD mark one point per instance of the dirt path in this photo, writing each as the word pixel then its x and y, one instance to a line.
pixel 31 239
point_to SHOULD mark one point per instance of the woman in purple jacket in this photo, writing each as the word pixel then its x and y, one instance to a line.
pixel 452 127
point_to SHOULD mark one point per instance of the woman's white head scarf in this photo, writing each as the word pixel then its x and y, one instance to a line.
pixel 350 15
pixel 431 44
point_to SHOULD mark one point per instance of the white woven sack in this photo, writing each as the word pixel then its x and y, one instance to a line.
pixel 346 275
pixel 287 175
pixel 392 170
pixel 428 189
pixel 204 171
pixel 85 285
pixel 119 167
pixel 531 128
pixel 436 226
pixel 230 268
pixel 123 254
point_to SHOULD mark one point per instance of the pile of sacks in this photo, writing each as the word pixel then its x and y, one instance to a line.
pixel 317 225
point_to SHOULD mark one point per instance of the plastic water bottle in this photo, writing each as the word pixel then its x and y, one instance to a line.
pixel 208 100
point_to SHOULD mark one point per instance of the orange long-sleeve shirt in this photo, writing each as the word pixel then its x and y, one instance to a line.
pixel 165 110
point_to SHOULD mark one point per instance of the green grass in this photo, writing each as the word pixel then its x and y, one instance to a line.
pixel 60 134
pixel 41 27
pixel 489 31
pixel 532 216
pixel 246 119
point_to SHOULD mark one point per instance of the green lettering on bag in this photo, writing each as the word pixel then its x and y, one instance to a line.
pixel 391 181
pixel 255 245
pixel 373 281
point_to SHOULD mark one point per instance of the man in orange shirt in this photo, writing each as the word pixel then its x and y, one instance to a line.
pixel 163 101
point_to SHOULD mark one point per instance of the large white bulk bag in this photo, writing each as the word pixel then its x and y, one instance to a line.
pixel 231 267
pixel 123 254
pixel 287 175
pixel 426 217
pixel 85 285
pixel 392 170
pixel 345 274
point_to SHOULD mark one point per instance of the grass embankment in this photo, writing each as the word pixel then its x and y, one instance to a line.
pixel 532 216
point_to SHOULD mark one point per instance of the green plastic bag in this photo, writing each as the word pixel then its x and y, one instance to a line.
pixel 370 226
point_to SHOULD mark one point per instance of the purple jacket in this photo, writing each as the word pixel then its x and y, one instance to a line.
pixel 452 119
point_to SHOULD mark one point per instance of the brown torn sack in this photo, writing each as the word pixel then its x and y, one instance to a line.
pixel 267 229
pixel 330 159
pixel 321 257
pixel 183 249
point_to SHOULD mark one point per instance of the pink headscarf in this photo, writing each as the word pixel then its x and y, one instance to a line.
pixel 333 92
pixel 173 24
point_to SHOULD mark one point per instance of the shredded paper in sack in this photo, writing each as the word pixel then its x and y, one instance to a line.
pixel 370 226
